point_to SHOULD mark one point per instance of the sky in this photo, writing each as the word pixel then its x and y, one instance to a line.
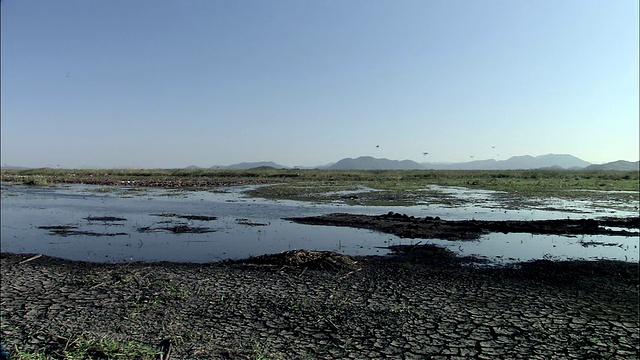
pixel 169 84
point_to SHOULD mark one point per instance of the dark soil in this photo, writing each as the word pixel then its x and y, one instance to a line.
pixel 243 221
pixel 178 229
pixel 435 228
pixel 317 305
pixel 68 230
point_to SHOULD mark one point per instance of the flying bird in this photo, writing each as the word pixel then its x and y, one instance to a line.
pixel 425 153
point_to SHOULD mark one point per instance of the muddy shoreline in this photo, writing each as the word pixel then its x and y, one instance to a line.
pixel 435 228
pixel 309 305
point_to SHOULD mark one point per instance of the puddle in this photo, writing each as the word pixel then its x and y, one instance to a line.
pixel 501 200
pixel 116 224
pixel 507 248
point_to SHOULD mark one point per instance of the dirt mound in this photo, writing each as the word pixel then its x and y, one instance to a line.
pixel 315 260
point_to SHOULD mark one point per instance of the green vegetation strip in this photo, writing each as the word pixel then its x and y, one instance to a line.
pixel 393 187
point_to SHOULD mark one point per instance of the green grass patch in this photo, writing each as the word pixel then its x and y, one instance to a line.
pixel 91 347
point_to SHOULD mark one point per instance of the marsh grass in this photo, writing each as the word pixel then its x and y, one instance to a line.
pixel 36 181
pixel 394 187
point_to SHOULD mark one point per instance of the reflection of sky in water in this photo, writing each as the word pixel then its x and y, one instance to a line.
pixel 26 208
pixel 489 199
pixel 522 247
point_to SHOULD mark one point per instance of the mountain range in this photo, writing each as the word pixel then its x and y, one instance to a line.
pixel 548 162
pixel 554 161
pixel 616 165
pixel 250 165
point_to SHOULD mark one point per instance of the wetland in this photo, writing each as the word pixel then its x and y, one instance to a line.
pixel 319 264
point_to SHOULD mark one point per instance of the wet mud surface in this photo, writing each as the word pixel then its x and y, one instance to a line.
pixel 318 305
pixel 70 230
pixel 406 226
pixel 249 222
pixel 177 229
pixel 163 226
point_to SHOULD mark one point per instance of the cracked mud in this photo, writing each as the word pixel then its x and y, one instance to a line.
pixel 304 305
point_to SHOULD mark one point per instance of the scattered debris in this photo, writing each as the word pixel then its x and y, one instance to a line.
pixel 29 259
pixel 596 243
pixel 315 260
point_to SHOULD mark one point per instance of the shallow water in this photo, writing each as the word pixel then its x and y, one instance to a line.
pixel 247 227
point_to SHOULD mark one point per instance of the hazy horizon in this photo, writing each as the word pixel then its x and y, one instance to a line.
pixel 162 84
pixel 276 162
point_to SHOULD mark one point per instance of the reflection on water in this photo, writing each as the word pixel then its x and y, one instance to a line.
pixel 514 247
pixel 239 227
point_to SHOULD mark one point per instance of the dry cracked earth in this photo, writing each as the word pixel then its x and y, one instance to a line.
pixel 309 305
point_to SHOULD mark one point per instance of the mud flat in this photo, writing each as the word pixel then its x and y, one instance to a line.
pixel 321 305
pixel 429 227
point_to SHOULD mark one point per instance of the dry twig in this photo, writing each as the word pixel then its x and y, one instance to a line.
pixel 29 259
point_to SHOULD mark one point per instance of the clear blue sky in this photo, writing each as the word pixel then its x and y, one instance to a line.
pixel 177 83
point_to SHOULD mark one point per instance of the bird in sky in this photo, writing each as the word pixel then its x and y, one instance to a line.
pixel 425 153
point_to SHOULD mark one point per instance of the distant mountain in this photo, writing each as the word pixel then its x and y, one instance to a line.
pixel 552 161
pixel 371 163
pixel 620 165
pixel 251 165
pixel 471 165
pixel 544 162
pixel 10 167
